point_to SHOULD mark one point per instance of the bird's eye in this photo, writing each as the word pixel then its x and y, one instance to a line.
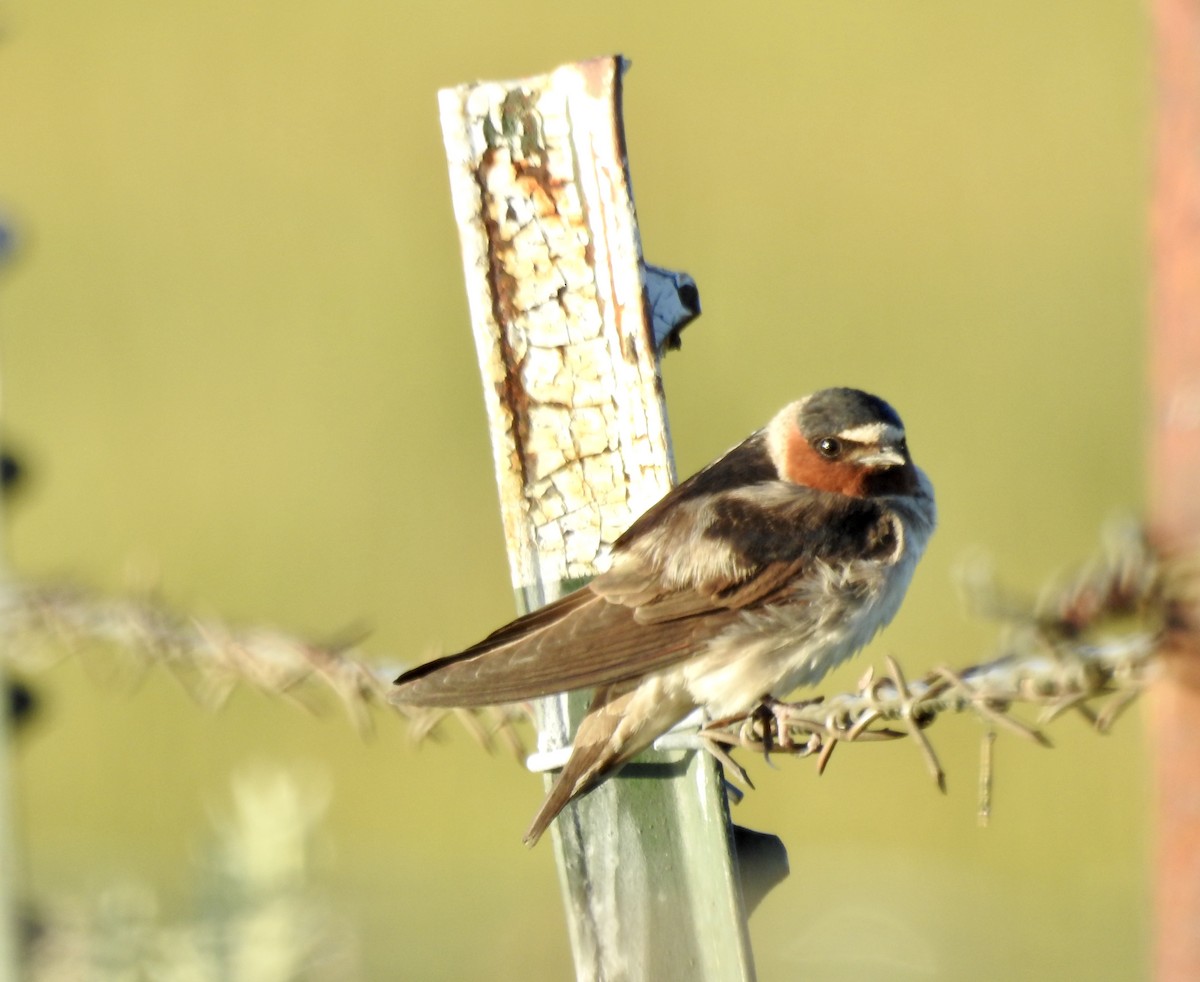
pixel 829 447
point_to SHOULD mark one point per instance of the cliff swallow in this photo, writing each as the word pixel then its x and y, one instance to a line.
pixel 757 575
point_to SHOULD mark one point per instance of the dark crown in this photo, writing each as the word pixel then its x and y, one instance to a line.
pixel 834 410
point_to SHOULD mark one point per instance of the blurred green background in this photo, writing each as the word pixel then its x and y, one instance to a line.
pixel 236 351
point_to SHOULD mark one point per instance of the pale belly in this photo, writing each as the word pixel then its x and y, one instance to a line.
pixel 772 651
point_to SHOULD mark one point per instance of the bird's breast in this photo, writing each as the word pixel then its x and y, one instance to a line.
pixel 831 612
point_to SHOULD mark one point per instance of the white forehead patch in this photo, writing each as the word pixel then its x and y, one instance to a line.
pixel 780 428
pixel 873 434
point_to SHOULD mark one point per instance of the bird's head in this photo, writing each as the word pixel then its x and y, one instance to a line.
pixel 842 440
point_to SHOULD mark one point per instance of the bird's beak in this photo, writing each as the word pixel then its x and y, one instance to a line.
pixel 884 457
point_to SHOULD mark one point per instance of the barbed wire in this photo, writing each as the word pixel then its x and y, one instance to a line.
pixel 39 625
pixel 1087 644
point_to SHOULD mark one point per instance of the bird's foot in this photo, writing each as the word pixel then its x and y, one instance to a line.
pixel 775 717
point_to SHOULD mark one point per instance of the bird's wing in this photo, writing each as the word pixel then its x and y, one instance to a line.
pixel 592 642
pixel 682 572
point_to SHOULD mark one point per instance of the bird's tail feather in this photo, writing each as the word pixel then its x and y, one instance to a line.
pixel 593 757
pixel 612 733
pixel 561 792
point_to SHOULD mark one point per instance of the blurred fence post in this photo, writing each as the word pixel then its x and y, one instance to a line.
pixel 1175 477
pixel 567 343
pixel 9 860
